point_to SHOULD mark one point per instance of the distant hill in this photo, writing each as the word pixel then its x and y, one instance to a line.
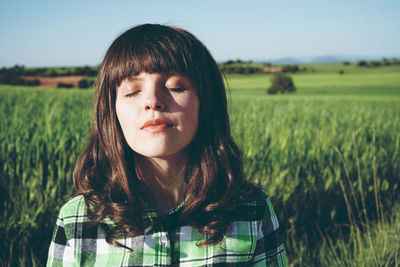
pixel 286 60
pixel 322 59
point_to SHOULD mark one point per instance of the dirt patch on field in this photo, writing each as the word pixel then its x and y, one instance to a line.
pixel 52 82
pixel 272 69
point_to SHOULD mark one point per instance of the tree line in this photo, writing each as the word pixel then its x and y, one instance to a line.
pixel 375 63
pixel 17 74
pixel 249 67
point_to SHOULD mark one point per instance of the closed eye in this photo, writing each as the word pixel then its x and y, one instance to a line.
pixel 132 93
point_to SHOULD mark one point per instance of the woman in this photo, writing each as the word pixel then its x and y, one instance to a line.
pixel 161 181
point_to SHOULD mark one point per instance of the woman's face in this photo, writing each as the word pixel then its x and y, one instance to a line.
pixel 158 113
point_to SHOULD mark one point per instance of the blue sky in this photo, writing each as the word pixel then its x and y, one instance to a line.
pixel 71 33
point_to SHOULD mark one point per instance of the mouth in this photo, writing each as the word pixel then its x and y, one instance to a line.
pixel 156 125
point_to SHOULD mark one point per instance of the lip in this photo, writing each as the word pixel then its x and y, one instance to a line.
pixel 156 125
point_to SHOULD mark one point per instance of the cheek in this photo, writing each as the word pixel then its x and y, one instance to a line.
pixel 191 103
pixel 125 116
pixel 192 112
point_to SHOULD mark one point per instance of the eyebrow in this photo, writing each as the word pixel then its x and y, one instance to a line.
pixel 134 78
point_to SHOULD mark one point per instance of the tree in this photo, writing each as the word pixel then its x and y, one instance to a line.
pixel 290 68
pixel 362 63
pixel 281 83
pixel 65 85
pixel 83 84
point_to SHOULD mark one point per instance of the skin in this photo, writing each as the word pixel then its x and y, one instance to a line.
pixel 161 146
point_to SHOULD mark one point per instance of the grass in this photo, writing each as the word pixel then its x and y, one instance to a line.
pixel 379 246
pixel 329 157
pixel 326 81
pixel 338 133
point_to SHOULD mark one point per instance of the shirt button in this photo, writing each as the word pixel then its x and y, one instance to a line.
pixel 163 240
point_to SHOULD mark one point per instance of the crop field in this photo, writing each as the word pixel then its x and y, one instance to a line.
pixel 328 156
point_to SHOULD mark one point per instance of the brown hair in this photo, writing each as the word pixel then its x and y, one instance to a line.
pixel 105 173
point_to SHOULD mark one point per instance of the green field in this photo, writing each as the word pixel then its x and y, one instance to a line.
pixel 328 155
pixel 326 80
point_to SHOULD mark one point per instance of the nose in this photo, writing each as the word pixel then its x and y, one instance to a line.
pixel 154 102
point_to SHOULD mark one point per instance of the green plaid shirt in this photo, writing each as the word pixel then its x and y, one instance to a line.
pixel 253 240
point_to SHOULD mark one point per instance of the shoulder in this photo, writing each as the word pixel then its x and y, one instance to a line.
pixel 253 205
pixel 73 209
pixel 252 195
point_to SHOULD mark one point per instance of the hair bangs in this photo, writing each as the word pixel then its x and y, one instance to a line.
pixel 150 52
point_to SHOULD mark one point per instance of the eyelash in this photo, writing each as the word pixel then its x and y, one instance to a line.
pixel 133 93
pixel 175 90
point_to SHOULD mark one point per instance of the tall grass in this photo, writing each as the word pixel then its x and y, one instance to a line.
pixel 41 134
pixel 379 245
pixel 330 164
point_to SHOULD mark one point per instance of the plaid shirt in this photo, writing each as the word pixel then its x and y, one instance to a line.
pixel 253 240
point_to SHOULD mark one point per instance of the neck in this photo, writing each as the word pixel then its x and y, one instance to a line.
pixel 164 179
